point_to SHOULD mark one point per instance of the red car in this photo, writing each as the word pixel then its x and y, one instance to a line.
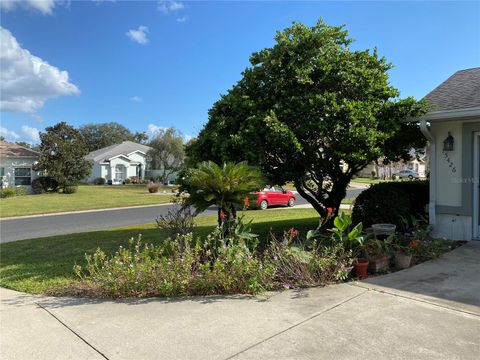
pixel 274 195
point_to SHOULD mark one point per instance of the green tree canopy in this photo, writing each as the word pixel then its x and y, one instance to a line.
pixel 98 136
pixel 313 111
pixel 168 153
pixel 62 152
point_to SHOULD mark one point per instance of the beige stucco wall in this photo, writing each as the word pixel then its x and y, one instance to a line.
pixel 453 200
pixel 449 184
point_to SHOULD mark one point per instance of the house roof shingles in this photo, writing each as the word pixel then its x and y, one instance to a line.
pixel 459 91
pixel 108 152
pixel 14 150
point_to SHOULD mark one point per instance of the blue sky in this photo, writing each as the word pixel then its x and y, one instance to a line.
pixel 156 64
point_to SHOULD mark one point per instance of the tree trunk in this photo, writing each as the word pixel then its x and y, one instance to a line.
pixel 234 212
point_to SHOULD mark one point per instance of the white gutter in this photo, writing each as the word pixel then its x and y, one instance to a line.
pixel 433 160
pixel 443 115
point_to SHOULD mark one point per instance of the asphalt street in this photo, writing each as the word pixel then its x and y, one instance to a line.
pixel 50 225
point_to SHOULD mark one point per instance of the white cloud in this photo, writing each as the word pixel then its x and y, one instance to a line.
pixel 30 134
pixel 153 129
pixel 26 81
pixel 182 19
pixel 139 35
pixel 136 99
pixel 43 6
pixel 10 136
pixel 168 7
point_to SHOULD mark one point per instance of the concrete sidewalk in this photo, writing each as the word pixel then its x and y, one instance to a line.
pixel 431 311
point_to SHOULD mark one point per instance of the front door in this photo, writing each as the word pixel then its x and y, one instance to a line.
pixel 476 186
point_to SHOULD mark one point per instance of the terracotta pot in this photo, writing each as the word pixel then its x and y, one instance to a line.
pixel 402 261
pixel 360 266
pixel 378 264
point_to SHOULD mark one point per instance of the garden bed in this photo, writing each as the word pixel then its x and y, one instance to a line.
pixel 280 250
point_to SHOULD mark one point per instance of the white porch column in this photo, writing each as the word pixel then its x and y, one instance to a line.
pixel 112 173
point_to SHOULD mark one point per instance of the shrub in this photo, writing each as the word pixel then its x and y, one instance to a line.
pixel 44 184
pixel 179 219
pixel 20 190
pixel 153 187
pixel 300 265
pixel 391 203
pixel 70 189
pixel 99 181
pixel 127 181
pixel 37 186
pixel 178 267
pixel 134 180
pixel 7 192
pixel 13 191
pixel 419 194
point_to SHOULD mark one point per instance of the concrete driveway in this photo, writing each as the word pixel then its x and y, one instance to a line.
pixel 431 311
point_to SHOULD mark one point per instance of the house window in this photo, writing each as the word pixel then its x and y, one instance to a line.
pixel 119 173
pixel 23 176
pixel 2 172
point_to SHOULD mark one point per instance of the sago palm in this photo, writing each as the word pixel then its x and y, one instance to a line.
pixel 224 186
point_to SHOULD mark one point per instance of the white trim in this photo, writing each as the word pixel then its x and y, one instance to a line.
pixel 137 151
pixel 475 184
pixel 117 156
pixel 433 176
pixel 451 114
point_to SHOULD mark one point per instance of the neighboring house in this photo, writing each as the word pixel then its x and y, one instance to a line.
pixel 452 127
pixel 118 162
pixel 386 171
pixel 16 165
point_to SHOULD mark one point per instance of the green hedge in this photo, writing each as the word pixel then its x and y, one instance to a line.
pixel 44 184
pixel 391 202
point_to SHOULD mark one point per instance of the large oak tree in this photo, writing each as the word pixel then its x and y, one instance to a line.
pixel 62 151
pixel 313 111
pixel 167 153
pixel 98 136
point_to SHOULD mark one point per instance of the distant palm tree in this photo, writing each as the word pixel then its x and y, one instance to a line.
pixel 224 186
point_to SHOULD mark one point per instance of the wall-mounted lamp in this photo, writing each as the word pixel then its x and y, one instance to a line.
pixel 448 142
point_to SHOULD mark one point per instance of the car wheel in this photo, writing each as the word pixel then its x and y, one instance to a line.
pixel 410 177
pixel 291 202
pixel 264 205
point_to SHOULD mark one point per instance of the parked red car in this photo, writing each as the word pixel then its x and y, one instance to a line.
pixel 274 195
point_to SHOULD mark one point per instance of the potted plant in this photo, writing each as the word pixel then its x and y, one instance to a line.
pixel 350 238
pixel 352 241
pixel 378 254
pixel 405 248
pixel 360 267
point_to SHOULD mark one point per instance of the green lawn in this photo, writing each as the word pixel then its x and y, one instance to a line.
pixel 38 264
pixel 88 197
pixel 367 181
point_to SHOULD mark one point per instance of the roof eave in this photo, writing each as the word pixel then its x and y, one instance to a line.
pixel 446 115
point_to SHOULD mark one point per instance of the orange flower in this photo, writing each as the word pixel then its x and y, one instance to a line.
pixel 414 244
pixel 292 232
pixel 245 201
pixel 222 214
pixel 329 211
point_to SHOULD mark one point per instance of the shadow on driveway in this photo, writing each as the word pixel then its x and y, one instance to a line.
pixel 451 281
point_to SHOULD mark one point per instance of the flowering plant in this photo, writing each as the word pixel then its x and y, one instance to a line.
pixel 405 244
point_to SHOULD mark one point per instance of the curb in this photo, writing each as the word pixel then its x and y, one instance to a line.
pixel 82 211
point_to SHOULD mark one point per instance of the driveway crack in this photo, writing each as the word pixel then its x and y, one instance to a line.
pixel 412 298
pixel 296 325
pixel 72 331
